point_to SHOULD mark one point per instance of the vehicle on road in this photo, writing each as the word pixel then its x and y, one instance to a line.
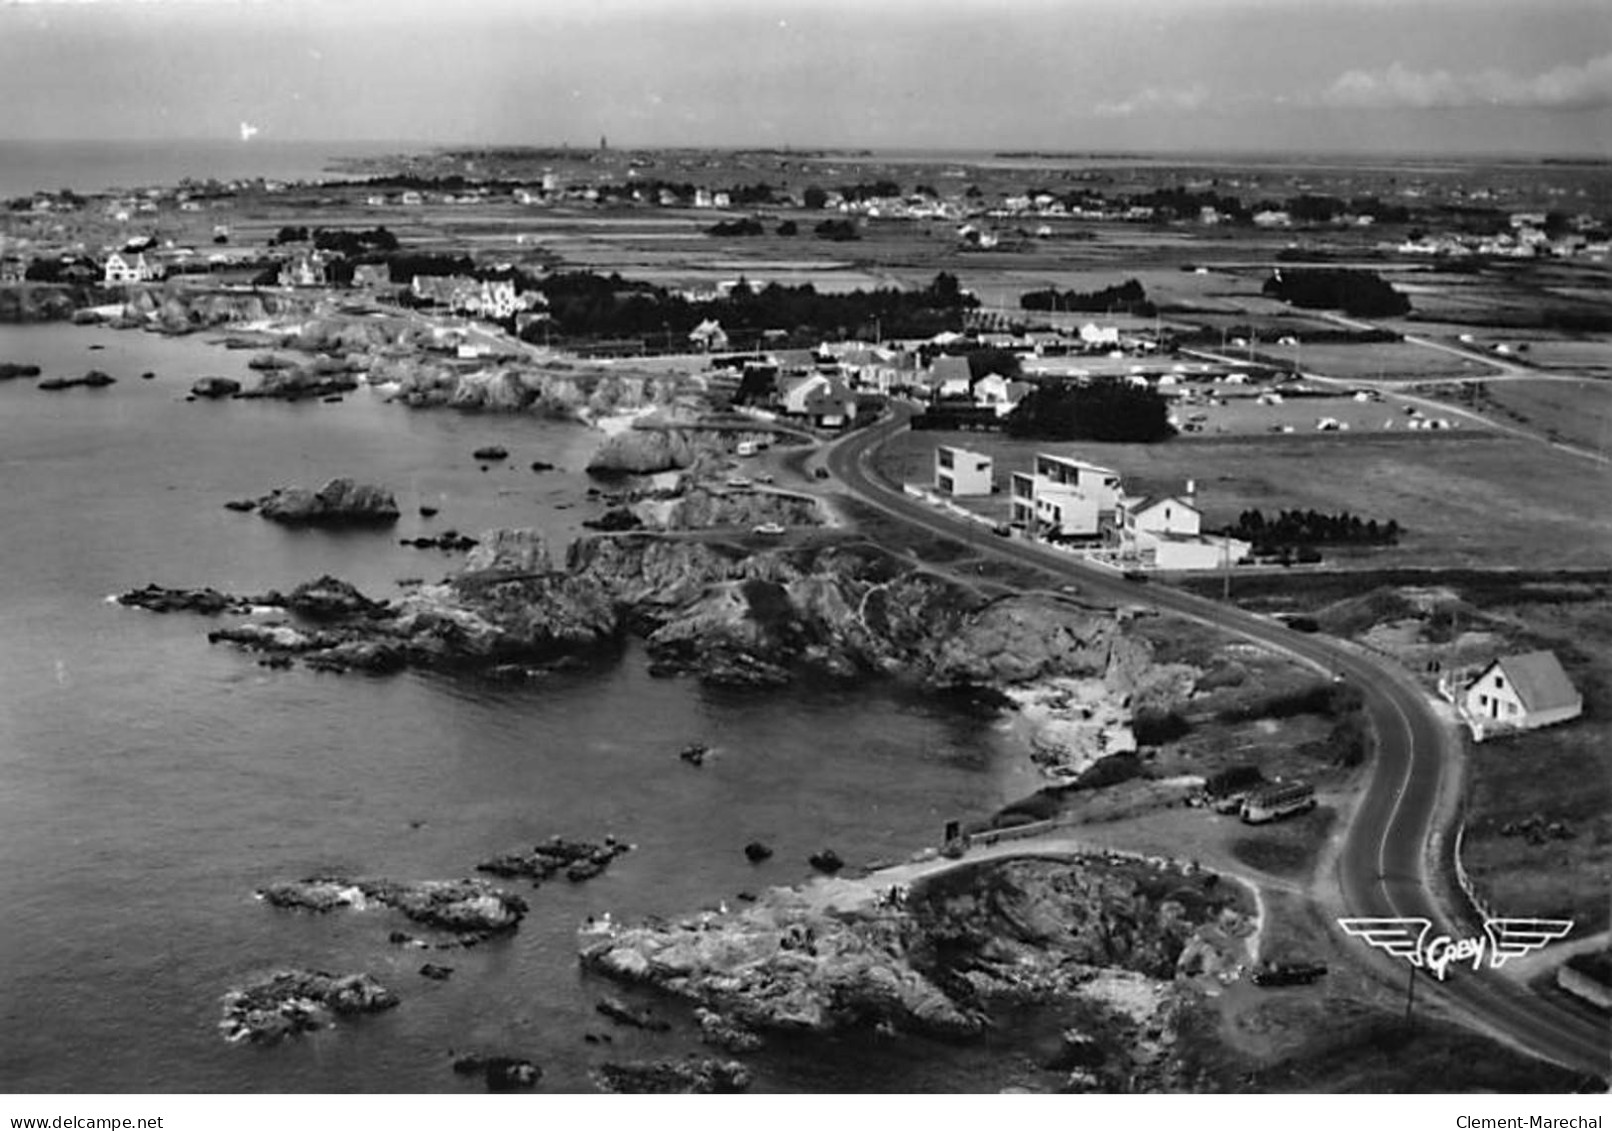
pixel 821 473
pixel 1273 802
pixel 1135 575
pixel 769 529
pixel 1289 973
pixel 738 481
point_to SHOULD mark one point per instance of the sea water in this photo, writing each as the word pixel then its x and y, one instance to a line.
pixel 149 781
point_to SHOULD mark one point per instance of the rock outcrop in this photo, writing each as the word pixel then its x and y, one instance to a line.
pixel 297 1001
pixel 644 451
pixel 1122 936
pixel 722 613
pixel 578 860
pixel 703 507
pixel 157 599
pixel 341 502
pixel 465 907
pixel 93 379
pixel 214 388
pixel 501 1073
pixel 673 1077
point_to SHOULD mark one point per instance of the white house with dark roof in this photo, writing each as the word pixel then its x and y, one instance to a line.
pixel 1520 692
pixel 1166 532
pixel 126 267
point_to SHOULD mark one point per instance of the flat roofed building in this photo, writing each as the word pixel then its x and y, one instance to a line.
pixel 959 471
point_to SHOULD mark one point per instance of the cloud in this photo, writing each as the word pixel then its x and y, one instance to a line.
pixel 1398 87
pixel 1154 99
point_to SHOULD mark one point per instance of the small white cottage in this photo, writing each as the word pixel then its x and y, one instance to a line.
pixel 1522 692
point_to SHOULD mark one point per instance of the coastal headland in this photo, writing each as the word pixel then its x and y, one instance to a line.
pixel 1110 930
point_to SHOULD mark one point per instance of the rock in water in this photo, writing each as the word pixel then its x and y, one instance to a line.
pixel 215 387
pixel 341 502
pixel 502 1073
pixel 10 369
pixel 614 520
pixel 160 600
pixel 96 379
pixel 618 1010
pixel 722 1033
pixel 827 861
pixel 296 1001
pixel 435 972
pixel 579 859
pixel 491 452
pixel 756 852
pixel 473 907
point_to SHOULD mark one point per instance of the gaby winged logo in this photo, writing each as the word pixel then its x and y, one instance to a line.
pixel 1502 939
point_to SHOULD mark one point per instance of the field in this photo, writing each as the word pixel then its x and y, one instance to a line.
pixel 1573 412
pixel 1464 499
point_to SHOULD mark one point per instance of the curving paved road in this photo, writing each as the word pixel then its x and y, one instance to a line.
pixel 1383 866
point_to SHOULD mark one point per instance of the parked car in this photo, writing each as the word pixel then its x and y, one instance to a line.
pixel 1289 973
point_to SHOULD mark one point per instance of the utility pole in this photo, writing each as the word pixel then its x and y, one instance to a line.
pixel 1225 559
pixel 1410 997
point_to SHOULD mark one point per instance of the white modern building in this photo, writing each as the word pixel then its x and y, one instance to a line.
pixel 959 471
pixel 1064 498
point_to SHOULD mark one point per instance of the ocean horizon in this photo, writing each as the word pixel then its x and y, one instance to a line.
pixel 98 166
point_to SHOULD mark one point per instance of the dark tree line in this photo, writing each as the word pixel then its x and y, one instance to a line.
pixel 1129 297
pixel 1291 528
pixel 354 242
pixel 1106 410
pixel 1364 294
pixel 585 305
pixel 840 231
pixel 748 226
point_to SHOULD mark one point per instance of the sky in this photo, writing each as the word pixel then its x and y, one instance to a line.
pixel 1333 76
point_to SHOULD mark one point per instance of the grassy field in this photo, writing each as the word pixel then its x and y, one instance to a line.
pixel 1464 499
pixel 1573 412
pixel 1376 360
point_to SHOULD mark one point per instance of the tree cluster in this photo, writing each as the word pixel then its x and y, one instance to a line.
pixel 1105 410
pixel 585 305
pixel 1294 528
pixel 840 231
pixel 1129 297
pixel 354 242
pixel 1364 294
pixel 748 226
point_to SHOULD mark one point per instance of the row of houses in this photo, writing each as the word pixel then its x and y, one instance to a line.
pixel 1070 501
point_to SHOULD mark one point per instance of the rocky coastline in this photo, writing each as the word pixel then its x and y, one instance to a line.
pixel 725 614
pixel 1128 945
